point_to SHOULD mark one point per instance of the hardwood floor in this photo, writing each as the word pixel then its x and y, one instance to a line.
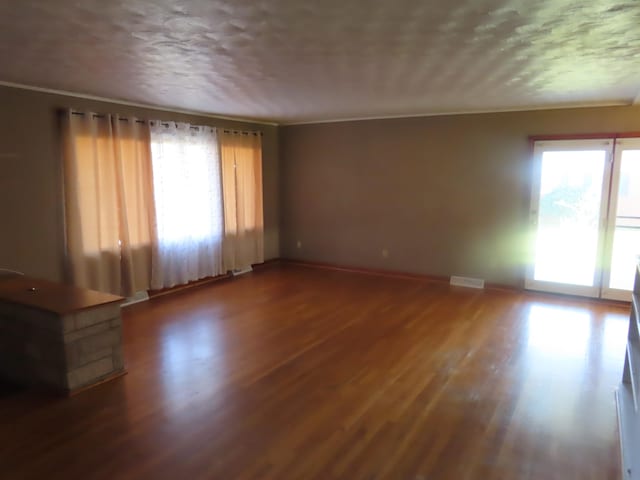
pixel 299 373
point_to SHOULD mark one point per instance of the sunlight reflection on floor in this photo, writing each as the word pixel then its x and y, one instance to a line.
pixel 192 354
pixel 562 345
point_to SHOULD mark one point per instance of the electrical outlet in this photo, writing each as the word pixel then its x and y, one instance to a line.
pixel 298 244
pixel 385 253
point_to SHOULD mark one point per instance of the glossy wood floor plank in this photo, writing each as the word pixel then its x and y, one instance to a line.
pixel 299 373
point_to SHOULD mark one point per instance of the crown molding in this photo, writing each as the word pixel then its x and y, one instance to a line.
pixel 461 112
pixel 133 104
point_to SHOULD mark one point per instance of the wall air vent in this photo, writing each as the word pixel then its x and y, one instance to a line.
pixel 466 282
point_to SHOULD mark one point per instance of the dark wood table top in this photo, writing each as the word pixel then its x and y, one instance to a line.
pixel 51 296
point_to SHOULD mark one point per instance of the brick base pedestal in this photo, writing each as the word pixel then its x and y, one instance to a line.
pixel 58 336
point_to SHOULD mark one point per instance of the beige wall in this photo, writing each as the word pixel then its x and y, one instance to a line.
pixel 445 195
pixel 31 228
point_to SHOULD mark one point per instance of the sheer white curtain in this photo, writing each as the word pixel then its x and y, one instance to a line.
pixel 188 199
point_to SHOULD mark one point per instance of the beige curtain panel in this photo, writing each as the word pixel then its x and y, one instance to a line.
pixel 241 155
pixel 109 207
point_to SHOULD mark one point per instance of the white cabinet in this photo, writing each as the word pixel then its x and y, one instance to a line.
pixel 628 394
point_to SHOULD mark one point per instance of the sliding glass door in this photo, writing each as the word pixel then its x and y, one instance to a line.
pixel 623 225
pixel 568 215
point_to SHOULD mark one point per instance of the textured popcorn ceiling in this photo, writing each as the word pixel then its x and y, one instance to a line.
pixel 296 60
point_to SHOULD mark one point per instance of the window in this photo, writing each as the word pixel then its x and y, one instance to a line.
pixel 188 203
pixel 157 204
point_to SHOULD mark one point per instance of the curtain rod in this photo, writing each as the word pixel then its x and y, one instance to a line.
pixel 242 132
pixel 167 124
pixel 125 119
pixel 99 115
